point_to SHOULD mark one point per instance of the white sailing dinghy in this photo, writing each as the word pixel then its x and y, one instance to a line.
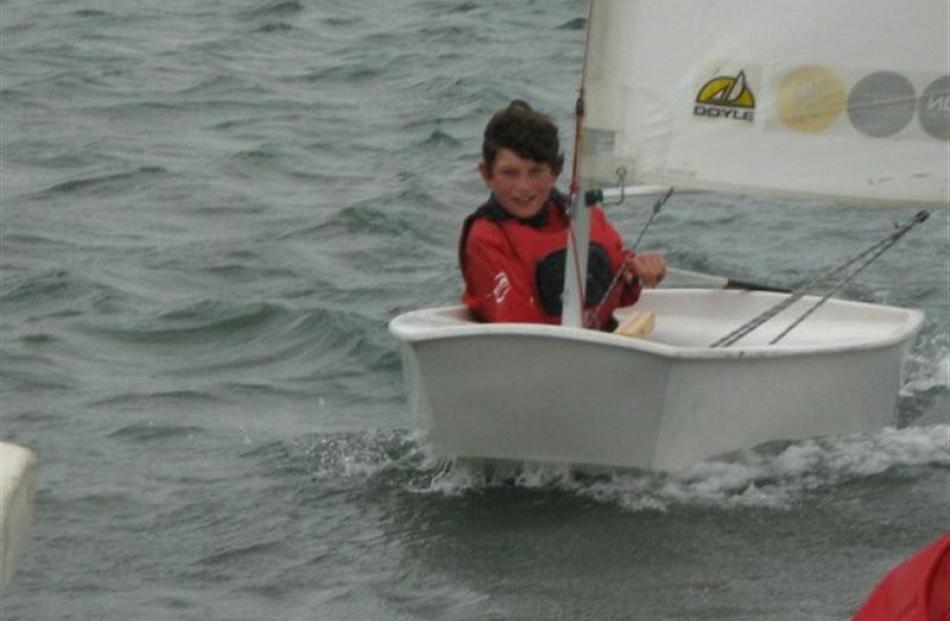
pixel 844 99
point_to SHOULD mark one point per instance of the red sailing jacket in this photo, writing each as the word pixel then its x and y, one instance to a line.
pixel 514 269
pixel 916 590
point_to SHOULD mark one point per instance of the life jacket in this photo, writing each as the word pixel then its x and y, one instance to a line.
pixel 544 252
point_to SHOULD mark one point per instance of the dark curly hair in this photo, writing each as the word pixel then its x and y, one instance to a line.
pixel 524 131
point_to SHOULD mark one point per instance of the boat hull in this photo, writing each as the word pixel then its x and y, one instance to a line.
pixel 551 394
pixel 17 489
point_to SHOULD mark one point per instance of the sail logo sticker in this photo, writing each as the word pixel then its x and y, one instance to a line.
pixel 882 103
pixel 726 97
pixel 809 99
pixel 934 108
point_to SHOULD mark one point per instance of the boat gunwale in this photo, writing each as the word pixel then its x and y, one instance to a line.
pixel 406 329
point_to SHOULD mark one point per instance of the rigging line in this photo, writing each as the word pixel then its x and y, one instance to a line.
pixel 656 209
pixel 875 249
pixel 850 277
pixel 616 279
pixel 798 294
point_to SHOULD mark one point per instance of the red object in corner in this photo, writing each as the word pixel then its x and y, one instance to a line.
pixel 916 590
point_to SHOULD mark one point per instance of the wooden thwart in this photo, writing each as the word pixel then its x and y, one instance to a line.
pixel 638 325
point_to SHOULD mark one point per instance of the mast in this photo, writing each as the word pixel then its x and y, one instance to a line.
pixel 578 233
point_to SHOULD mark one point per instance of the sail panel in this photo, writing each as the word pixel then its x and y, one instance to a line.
pixel 849 98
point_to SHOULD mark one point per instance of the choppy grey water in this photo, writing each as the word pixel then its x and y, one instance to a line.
pixel 209 213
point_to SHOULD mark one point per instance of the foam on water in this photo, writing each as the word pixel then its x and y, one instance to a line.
pixel 775 476
pixel 928 366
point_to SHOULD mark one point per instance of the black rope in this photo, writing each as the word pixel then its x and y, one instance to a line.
pixel 868 256
pixel 656 209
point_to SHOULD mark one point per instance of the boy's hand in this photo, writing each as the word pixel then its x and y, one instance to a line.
pixel 649 267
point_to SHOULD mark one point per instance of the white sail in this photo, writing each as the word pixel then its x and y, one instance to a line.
pixel 847 98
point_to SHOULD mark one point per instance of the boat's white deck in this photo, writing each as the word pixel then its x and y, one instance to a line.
pixel 697 319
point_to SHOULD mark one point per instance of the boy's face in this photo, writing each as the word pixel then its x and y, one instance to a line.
pixel 522 186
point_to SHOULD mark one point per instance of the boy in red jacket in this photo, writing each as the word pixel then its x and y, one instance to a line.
pixel 512 249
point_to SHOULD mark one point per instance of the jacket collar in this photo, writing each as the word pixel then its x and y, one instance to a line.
pixel 495 212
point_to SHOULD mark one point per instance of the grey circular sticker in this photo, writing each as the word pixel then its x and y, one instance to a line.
pixel 882 104
pixel 934 108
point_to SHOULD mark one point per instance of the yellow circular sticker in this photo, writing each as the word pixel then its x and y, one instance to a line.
pixel 810 98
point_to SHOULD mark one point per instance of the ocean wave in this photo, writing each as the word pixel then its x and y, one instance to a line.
pixel 240 553
pixel 93 14
pixel 461 7
pixel 273 8
pixel 152 432
pixel 24 95
pixel 927 367
pixel 32 373
pixel 342 21
pixel 209 321
pixel 346 71
pixel 440 138
pixel 54 294
pixel 578 23
pixel 277 344
pixel 280 27
pixel 220 84
pixel 33 288
pixel 373 216
pixel 107 184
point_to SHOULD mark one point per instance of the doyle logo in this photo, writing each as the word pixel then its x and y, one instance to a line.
pixel 726 97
